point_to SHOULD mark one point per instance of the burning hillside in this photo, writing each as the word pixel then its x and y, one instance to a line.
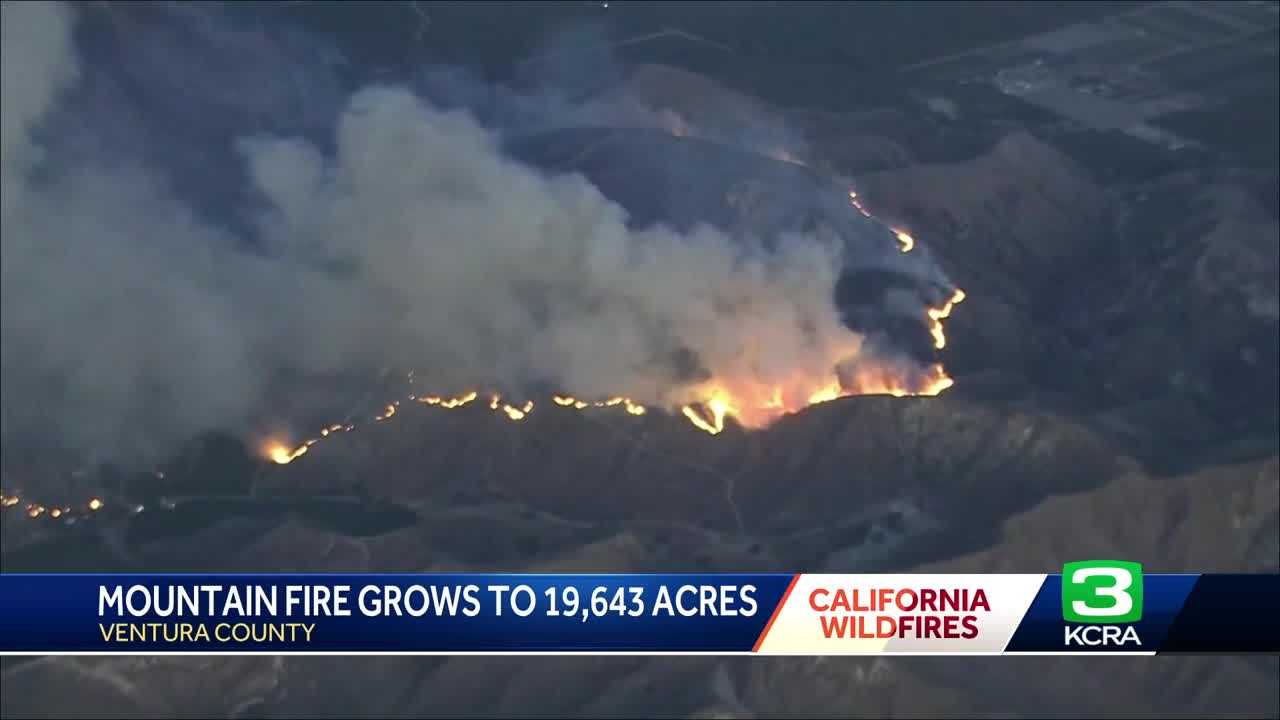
pixel 740 394
pixel 627 271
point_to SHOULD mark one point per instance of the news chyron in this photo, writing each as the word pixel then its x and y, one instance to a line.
pixel 1092 606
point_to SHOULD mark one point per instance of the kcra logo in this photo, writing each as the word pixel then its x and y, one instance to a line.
pixel 1104 597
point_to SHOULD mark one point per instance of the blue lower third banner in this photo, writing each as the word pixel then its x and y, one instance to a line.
pixel 1094 606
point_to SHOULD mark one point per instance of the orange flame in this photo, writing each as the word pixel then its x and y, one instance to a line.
pixel 632 407
pixel 853 200
pixel 449 403
pixel 755 405
pixel 35 511
pixel 282 455
pixel 937 315
pixel 905 240
pixel 715 408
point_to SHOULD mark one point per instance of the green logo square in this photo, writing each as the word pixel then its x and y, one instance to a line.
pixel 1102 591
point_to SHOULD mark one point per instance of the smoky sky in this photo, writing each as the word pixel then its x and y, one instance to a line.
pixel 144 301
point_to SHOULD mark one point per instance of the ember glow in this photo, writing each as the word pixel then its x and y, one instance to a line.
pixel 515 413
pixel 938 314
pixel 282 455
pixel 62 513
pixel 444 402
pixel 857 204
pixel 906 240
pixel 631 407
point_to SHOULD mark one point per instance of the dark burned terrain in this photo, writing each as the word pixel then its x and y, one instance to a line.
pixel 1116 364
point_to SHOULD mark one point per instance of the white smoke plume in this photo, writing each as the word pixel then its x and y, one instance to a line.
pixel 131 322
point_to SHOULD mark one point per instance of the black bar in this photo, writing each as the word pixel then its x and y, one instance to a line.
pixel 1239 611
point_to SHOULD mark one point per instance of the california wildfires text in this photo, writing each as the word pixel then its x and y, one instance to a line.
pixel 927 614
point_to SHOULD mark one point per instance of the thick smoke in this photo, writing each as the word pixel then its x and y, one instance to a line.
pixel 121 322
pixel 131 322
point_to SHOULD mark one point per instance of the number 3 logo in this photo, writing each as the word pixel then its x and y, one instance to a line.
pixel 1102 591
